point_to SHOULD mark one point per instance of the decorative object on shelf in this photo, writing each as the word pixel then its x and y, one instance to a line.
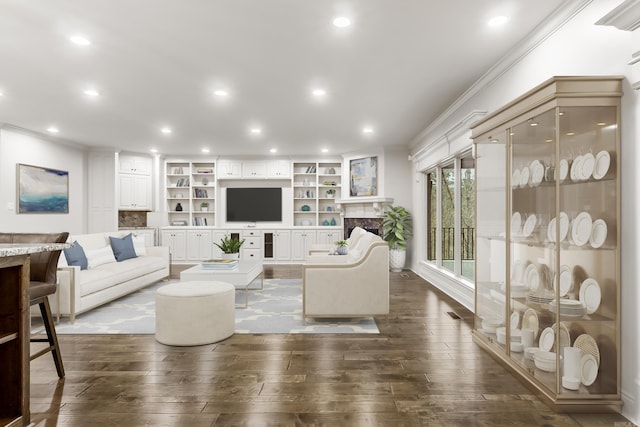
pixel 397 229
pixel 306 222
pixel 333 221
pixel 178 207
pixel 230 247
pixel 364 176
pixel 330 193
pixel 305 208
pixel 205 181
pixel 177 196
pixel 331 171
pixel 329 209
pixel 204 206
pixel 342 247
pixel 325 222
pixel 305 182
pixel 329 183
pixel 178 171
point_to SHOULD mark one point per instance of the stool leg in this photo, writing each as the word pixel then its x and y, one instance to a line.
pixel 47 318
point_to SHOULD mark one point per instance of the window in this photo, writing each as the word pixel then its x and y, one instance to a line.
pixel 450 218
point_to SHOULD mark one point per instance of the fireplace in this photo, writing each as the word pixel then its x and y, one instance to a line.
pixel 373 225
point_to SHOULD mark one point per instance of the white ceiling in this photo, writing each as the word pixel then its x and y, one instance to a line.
pixel 157 63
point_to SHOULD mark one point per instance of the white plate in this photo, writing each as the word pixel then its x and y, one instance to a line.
pixel 598 233
pixel 576 169
pixel 564 225
pixel 529 225
pixel 530 321
pixel 564 335
pixel 581 229
pixel 532 277
pixel 524 176
pixel 517 271
pixel 551 230
pixel 564 169
pixel 514 320
pixel 603 159
pixel 588 369
pixel 515 178
pixel 537 173
pixel 516 224
pixel 565 279
pixel 588 163
pixel 590 295
pixel 547 339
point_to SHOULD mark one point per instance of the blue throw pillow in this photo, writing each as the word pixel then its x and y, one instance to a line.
pixel 123 248
pixel 75 256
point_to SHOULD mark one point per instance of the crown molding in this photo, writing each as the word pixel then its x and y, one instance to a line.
pixel 625 17
pixel 556 20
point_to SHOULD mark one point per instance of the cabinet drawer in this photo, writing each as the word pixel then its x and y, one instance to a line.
pixel 251 233
pixel 251 243
pixel 251 253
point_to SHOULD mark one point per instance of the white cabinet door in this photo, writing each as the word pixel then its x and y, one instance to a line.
pixel 254 169
pixel 282 245
pixel 148 234
pixel 229 169
pixel 135 165
pixel 199 245
pixel 176 240
pixel 135 192
pixel 329 237
pixel 278 169
pixel 301 241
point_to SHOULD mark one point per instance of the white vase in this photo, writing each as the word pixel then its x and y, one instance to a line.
pixel 230 256
pixel 397 258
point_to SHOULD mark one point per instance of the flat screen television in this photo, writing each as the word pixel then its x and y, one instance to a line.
pixel 254 204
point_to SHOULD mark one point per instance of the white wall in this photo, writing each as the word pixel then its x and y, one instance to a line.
pixel 26 148
pixel 579 48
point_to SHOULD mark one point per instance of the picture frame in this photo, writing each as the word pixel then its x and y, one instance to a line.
pixel 363 176
pixel 42 190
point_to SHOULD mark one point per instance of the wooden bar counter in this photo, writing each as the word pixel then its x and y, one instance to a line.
pixel 14 329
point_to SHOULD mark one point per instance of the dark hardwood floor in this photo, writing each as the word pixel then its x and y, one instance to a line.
pixel 421 370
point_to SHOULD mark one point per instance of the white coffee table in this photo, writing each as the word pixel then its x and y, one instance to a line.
pixel 240 277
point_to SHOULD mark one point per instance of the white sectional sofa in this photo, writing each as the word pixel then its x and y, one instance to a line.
pixel 81 290
pixel 352 285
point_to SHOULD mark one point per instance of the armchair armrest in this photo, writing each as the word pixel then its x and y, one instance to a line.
pixel 326 260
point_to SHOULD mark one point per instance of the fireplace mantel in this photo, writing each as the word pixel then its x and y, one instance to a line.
pixel 363 207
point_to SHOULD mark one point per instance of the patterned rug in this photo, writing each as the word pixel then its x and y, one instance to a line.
pixel 277 309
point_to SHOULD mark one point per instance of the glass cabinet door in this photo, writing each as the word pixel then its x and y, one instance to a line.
pixel 491 181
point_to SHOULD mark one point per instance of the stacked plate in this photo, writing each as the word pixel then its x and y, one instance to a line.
pixel 598 233
pixel 545 360
pixel 531 277
pixel 489 325
pixel 543 298
pixel 569 308
pixel 501 335
pixel 564 228
pixel 581 229
pixel 565 280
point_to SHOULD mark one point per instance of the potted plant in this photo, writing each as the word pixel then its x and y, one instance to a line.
pixel 397 229
pixel 342 247
pixel 230 247
pixel 331 193
pixel 204 206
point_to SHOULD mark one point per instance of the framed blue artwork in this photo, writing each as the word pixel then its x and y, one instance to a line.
pixel 42 190
pixel 363 176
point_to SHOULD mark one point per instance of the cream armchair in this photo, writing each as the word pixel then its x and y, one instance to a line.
pixel 347 286
pixel 320 248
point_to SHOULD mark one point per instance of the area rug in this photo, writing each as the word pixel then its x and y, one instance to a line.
pixel 276 309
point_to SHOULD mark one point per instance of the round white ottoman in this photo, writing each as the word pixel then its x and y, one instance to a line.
pixel 195 313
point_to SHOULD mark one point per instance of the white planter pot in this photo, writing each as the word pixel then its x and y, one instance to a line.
pixel 397 258
pixel 230 256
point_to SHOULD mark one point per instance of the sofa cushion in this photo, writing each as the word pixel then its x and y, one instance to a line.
pixel 123 247
pixel 75 256
pixel 140 244
pixel 116 273
pixel 97 257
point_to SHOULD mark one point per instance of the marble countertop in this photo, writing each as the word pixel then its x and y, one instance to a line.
pixel 12 249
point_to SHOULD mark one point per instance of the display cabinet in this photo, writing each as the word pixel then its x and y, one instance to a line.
pixel 316 186
pixel 190 193
pixel 547 295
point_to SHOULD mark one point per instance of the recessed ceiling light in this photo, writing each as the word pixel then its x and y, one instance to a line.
pixel 325 150
pixel 166 130
pixel 367 130
pixel 273 150
pixel 154 150
pixel 319 92
pixel 53 129
pixel 1 93
pixel 255 131
pixel 599 123
pixel 205 150
pixel 570 133
pixel 91 92
pixel 80 40
pixel 497 21
pixel 548 140
pixel 342 21
pixel 221 93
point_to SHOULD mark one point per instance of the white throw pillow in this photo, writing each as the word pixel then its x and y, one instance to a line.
pixel 96 257
pixel 139 245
